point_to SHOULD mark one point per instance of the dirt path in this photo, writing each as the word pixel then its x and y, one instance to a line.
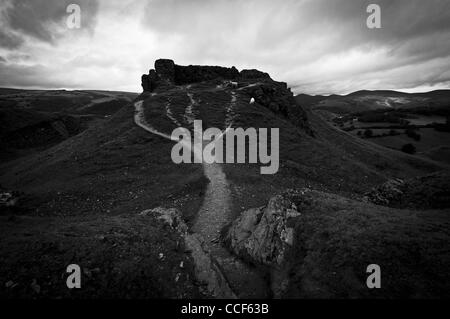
pixel 170 114
pixel 139 119
pixel 216 207
pixel 189 112
pixel 213 215
pixel 230 112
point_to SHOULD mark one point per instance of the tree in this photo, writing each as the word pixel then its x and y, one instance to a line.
pixel 393 132
pixel 368 133
pixel 409 149
pixel 410 132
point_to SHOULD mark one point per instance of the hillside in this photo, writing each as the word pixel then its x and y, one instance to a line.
pixel 365 100
pixel 414 123
pixel 99 186
pixel 33 120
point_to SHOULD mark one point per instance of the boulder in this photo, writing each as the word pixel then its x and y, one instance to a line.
pixel 170 216
pixel 264 235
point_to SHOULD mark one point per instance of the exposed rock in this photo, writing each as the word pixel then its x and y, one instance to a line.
pixel 169 216
pixel 167 72
pixel 278 98
pixel 430 191
pixel 212 281
pixel 34 285
pixel 254 74
pixel 150 81
pixel 386 193
pixel 264 235
pixel 165 69
pixel 9 199
pixel 196 73
pixel 207 272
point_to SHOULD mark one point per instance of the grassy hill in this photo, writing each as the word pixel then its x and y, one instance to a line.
pixel 365 100
pixel 91 186
pixel 33 120
pixel 391 119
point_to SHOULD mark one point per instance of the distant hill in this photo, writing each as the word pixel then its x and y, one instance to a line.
pixel 37 119
pixel 373 100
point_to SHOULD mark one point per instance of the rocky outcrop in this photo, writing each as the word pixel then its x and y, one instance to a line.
pixel 264 235
pixel 387 193
pixel 196 73
pixel 253 74
pixel 425 192
pixel 208 274
pixel 277 97
pixel 165 69
pixel 150 81
pixel 167 72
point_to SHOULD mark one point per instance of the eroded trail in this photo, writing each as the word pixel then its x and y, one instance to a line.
pixel 216 207
pixel 213 215
pixel 230 112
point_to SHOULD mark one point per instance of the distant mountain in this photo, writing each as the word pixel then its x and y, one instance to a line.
pixel 366 100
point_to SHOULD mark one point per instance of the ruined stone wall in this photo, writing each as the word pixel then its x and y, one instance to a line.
pixel 167 72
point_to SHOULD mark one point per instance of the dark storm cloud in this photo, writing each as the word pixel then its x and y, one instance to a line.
pixel 317 46
pixel 408 26
pixel 34 18
pixel 9 41
pixel 402 20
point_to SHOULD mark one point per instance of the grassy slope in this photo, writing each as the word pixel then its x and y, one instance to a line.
pixel 119 257
pixel 372 100
pixel 30 118
pixel 337 238
pixel 113 166
pixel 62 100
pixel 96 183
pixel 332 161
pixel 115 170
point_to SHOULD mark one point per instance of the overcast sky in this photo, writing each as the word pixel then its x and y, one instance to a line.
pixel 317 46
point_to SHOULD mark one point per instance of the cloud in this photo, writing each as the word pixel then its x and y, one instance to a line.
pixel 9 41
pixel 43 20
pixel 317 46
